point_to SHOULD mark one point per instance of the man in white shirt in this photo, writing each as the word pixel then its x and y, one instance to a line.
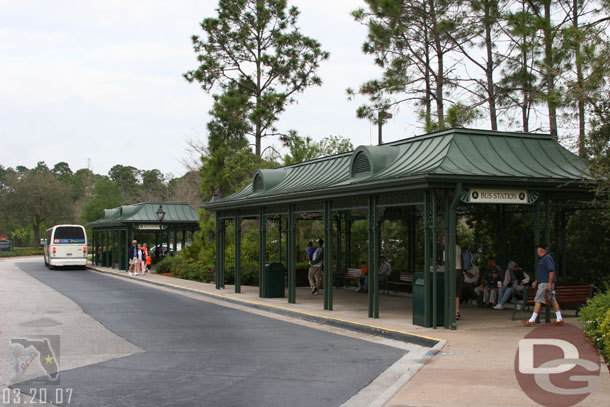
pixel 384 269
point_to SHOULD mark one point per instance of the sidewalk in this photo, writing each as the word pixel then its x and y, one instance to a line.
pixel 475 366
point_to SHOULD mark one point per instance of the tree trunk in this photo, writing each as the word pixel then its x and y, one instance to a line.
pixel 36 229
pixel 549 67
pixel 258 126
pixel 489 69
pixel 579 83
pixel 526 92
pixel 428 96
pixel 440 75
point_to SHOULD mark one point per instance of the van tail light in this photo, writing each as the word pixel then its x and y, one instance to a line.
pixel 54 250
pixel 84 250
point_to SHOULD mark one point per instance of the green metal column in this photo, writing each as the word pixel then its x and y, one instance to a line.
pixel 501 236
pixel 105 249
pixel 328 257
pixel 279 233
pixel 412 241
pixel 175 241
pixel 262 249
pixel 536 235
pixel 373 226
pixel 339 251
pixel 450 321
pixel 237 222
pixel 122 254
pixel 223 266
pixel 113 243
pixel 291 243
pixel 430 280
pixel 219 251
pixel 348 241
pixel 562 238
pixel 547 221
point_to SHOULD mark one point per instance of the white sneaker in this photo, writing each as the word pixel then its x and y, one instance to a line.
pixel 131 273
pixel 499 306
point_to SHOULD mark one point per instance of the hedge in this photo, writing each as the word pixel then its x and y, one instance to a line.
pixel 595 316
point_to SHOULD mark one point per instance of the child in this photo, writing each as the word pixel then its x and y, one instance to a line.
pixel 148 263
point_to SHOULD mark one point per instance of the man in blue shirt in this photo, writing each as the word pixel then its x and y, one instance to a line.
pixel 545 280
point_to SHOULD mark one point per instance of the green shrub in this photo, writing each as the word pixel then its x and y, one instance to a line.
pixel 23 251
pixel 168 265
pixel 596 321
pixel 187 269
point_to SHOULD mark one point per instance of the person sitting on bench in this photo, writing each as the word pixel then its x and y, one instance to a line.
pixel 363 283
pixel 384 269
pixel 515 280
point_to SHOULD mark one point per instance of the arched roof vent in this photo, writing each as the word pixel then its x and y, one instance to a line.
pixel 258 183
pixel 369 160
pixel 264 180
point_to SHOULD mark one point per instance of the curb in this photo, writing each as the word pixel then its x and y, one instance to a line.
pixel 415 339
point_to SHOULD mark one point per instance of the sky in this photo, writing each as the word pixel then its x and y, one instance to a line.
pixel 100 83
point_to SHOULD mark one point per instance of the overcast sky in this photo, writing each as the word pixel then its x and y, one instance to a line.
pixel 102 80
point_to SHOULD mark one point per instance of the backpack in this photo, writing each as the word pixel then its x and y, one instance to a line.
pixel 318 256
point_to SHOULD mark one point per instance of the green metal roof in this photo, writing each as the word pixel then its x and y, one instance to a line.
pixel 146 212
pixel 455 155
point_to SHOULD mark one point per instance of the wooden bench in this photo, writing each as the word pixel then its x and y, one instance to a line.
pixel 569 295
pixel 573 295
pixel 352 274
pixel 405 279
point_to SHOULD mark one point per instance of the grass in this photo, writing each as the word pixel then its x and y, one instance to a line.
pixel 23 251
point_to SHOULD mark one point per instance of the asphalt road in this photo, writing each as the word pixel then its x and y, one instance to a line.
pixel 202 354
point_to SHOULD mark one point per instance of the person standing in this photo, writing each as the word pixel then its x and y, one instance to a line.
pixel 315 267
pixel 132 254
pixel 140 263
pixel 545 282
pixel 144 258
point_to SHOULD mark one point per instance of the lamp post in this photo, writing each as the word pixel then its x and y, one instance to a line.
pixel 160 216
pixel 381 116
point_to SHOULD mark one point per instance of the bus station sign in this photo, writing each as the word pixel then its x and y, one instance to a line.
pixel 497 196
pixel 152 227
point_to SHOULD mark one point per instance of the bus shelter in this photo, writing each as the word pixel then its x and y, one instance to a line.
pixel 112 234
pixel 424 178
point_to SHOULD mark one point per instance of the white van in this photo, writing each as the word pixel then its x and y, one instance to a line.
pixel 65 245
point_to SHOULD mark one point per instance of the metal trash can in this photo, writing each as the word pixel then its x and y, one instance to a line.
pixel 419 298
pixel 106 259
pixel 274 280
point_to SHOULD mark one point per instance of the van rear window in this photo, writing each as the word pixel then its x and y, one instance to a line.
pixel 65 234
